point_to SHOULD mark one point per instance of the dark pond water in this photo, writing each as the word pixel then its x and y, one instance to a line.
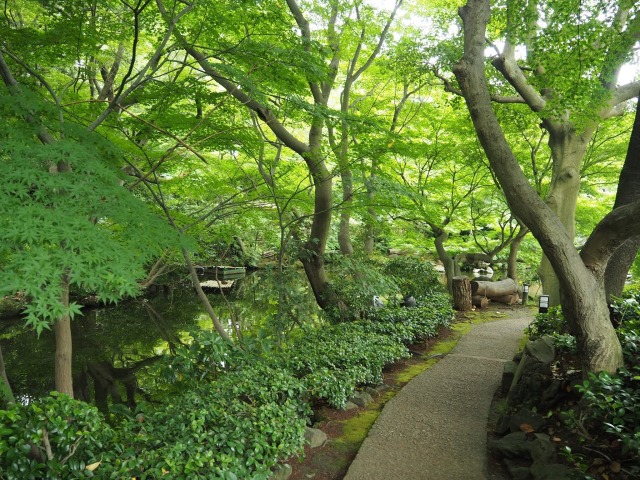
pixel 110 342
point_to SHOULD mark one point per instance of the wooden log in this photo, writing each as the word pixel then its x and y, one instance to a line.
pixel 494 289
pixel 507 299
pixel 480 301
pixel 461 291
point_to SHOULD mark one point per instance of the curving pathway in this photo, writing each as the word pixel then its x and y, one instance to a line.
pixel 436 427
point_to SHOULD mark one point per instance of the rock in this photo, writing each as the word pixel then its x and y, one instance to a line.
pixel 542 450
pixel 314 437
pixel 516 471
pixel 282 472
pixel 508 374
pixel 541 349
pixel 514 445
pixel 362 399
pixel 555 471
pixel 349 406
pixel 526 417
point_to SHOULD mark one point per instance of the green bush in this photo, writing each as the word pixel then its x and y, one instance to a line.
pixel 223 412
pixel 549 323
pixel 414 276
pixel 52 437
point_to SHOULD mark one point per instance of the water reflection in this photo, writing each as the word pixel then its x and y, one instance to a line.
pixel 112 346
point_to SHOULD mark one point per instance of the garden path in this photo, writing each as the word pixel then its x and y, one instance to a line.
pixel 436 427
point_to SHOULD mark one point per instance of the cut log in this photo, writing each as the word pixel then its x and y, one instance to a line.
pixel 480 301
pixel 494 289
pixel 461 291
pixel 507 299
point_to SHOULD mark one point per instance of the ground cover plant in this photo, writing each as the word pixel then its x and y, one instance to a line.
pixel 230 412
pixel 601 430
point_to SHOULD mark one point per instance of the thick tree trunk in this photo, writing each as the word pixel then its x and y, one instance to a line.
pixel 582 276
pixel 312 256
pixel 494 289
pixel 480 301
pixel 448 262
pixel 512 261
pixel 567 150
pixel 461 292
pixel 63 355
pixel 628 192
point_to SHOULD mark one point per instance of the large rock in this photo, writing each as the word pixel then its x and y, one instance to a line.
pixel 282 472
pixel 514 445
pixel 541 349
pixel 315 437
pixel 556 471
pixel 362 399
pixel 525 417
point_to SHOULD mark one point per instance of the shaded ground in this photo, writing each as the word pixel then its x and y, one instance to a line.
pixel 347 430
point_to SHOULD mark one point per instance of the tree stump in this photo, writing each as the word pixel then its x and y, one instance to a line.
pixel 461 290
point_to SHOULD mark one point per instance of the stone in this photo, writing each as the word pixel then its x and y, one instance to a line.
pixel 282 472
pixel 349 406
pixel 508 374
pixel 543 450
pixel 516 471
pixel 541 349
pixel 514 445
pixel 555 471
pixel 361 399
pixel 315 437
pixel 526 417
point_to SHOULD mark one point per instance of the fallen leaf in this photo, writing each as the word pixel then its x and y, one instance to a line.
pixel 597 461
pixel 556 439
pixel 93 466
pixel 526 428
pixel 615 467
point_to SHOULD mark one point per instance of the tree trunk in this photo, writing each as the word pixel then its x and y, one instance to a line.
pixel 512 261
pixel 567 150
pixel 447 261
pixel 628 192
pixel 203 297
pixel 480 301
pixel 461 294
pixel 581 275
pixel 494 289
pixel 344 233
pixel 312 256
pixel 63 355
pixel 6 394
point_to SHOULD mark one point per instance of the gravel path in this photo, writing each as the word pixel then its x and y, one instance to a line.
pixel 435 428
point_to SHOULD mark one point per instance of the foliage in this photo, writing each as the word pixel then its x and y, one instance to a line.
pixel 414 276
pixel 549 323
pixel 358 281
pixel 53 437
pixel 80 224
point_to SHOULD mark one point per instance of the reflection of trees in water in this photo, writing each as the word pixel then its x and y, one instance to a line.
pixel 113 346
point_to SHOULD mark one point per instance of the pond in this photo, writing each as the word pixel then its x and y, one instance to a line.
pixel 112 345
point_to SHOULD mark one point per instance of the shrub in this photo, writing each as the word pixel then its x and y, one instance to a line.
pixel 414 276
pixel 549 323
pixel 52 437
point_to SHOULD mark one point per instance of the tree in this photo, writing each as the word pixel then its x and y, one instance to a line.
pixel 568 76
pixel 581 273
pixel 275 89
pixel 66 220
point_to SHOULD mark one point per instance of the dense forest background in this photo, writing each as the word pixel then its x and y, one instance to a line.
pixel 143 139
